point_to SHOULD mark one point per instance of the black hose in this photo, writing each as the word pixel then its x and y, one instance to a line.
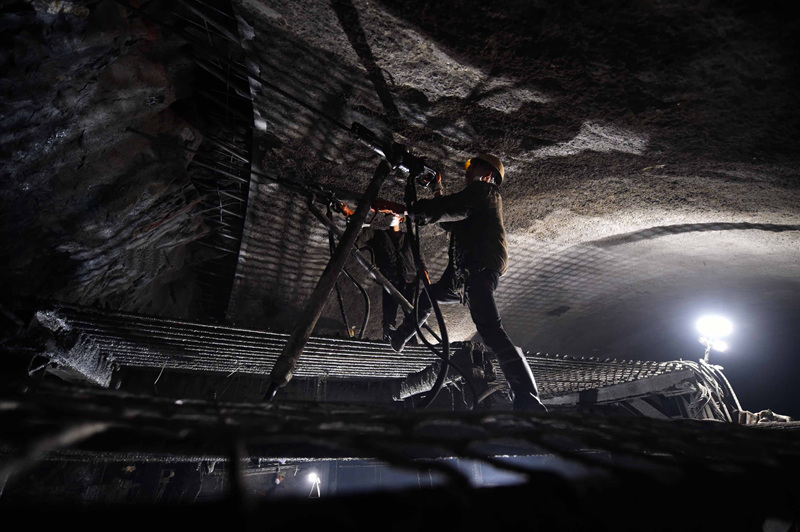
pixel 366 303
pixel 422 275
pixel 332 243
pixel 371 252
pixel 447 362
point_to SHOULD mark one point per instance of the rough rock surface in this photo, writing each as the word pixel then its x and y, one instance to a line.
pixel 92 210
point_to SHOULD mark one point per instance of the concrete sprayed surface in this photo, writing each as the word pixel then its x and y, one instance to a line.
pixel 651 155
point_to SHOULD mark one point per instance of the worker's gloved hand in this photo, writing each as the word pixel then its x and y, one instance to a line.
pixel 341 207
pixel 389 207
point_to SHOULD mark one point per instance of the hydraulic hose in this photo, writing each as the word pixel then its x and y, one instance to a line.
pixel 366 303
pixel 332 242
pixel 445 356
pixel 422 275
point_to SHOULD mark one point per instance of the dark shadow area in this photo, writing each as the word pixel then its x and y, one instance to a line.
pixel 622 62
pixel 351 24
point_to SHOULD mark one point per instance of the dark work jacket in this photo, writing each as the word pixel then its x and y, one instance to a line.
pixel 393 253
pixel 474 218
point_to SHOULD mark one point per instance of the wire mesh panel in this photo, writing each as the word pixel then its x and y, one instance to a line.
pixel 125 339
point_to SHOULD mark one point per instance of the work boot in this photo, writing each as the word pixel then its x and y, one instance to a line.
pixel 388 329
pixel 402 335
pixel 477 370
pixel 520 378
pixel 406 332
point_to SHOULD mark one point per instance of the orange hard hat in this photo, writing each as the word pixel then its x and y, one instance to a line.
pixel 492 161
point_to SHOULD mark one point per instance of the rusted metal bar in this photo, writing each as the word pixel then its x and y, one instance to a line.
pixel 284 367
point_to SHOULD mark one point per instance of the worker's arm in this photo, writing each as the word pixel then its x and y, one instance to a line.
pixel 450 208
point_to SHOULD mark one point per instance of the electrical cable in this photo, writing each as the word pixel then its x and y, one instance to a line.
pixel 711 393
pixel 728 387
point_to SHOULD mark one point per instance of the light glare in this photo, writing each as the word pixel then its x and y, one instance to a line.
pixel 719 345
pixel 714 326
pixel 312 477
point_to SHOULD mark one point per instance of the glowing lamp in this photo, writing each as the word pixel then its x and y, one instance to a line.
pixel 714 327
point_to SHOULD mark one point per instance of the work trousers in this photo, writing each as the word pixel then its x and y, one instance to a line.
pixel 480 287
pixel 479 290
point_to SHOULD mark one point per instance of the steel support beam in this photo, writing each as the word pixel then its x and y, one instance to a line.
pixel 287 362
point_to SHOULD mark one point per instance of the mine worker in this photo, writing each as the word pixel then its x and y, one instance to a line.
pixel 478 257
pixel 394 258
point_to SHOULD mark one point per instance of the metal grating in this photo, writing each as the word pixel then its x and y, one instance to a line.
pixel 126 339
pixel 629 466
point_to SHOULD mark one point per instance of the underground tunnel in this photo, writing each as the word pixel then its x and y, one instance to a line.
pixel 179 181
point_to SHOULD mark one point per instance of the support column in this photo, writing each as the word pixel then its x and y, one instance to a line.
pixel 287 362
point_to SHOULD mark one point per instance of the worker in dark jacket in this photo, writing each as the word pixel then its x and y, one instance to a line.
pixel 478 257
pixel 394 258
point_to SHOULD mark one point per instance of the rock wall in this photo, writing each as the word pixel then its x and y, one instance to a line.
pixel 93 212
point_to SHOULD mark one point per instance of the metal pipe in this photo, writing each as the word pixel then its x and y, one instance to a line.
pixel 342 309
pixel 227 146
pixel 209 159
pixel 224 14
pixel 199 26
pixel 221 172
pixel 282 371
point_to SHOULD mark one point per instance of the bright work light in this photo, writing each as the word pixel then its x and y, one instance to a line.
pixel 712 328
pixel 315 481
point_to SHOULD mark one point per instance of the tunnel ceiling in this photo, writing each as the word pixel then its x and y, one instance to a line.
pixel 650 148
